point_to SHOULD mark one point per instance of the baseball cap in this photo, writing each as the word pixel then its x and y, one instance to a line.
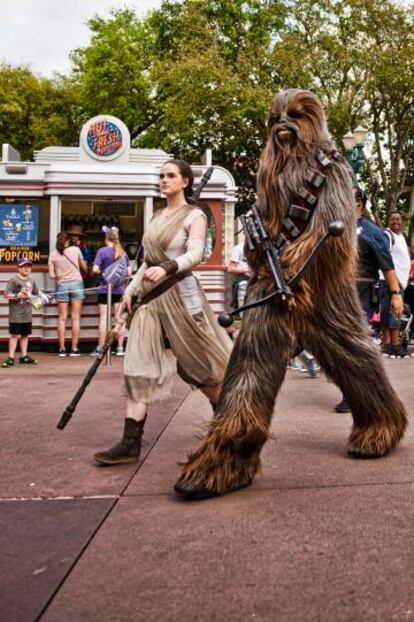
pixel 24 262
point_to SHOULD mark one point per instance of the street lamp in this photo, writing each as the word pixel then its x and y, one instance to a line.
pixel 354 147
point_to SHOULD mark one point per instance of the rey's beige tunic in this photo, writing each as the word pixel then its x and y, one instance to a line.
pixel 201 347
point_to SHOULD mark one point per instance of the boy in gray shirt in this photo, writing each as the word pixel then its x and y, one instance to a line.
pixel 19 290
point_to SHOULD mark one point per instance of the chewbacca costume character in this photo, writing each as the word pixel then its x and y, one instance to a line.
pixel 326 314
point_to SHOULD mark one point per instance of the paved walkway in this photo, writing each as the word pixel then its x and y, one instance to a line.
pixel 318 537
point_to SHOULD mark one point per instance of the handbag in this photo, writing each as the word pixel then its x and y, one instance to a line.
pixel 116 272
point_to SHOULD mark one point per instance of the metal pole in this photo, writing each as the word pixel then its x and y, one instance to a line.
pixel 108 319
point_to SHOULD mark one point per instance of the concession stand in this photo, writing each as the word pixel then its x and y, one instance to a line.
pixel 103 181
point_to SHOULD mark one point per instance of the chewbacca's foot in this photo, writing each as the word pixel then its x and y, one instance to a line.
pixel 228 458
pixel 373 442
pixel 212 471
pixel 198 491
pixel 364 454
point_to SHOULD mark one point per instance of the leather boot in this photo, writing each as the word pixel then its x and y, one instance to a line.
pixel 129 447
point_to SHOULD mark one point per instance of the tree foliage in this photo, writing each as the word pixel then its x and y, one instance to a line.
pixel 199 74
pixel 113 71
pixel 36 112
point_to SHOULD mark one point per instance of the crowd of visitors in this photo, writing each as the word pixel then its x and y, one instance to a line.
pixel 385 281
pixel 70 266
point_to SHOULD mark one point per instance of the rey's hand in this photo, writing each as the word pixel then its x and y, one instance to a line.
pixel 125 305
pixel 154 274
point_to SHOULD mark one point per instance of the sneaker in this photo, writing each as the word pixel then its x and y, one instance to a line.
pixel 393 352
pixel 27 360
pixel 342 407
pixel 62 352
pixel 120 351
pixel 402 352
pixel 74 352
pixel 385 349
pixel 96 351
pixel 9 362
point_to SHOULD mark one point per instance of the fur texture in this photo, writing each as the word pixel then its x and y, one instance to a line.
pixel 326 316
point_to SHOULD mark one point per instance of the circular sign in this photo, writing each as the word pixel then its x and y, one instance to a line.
pixel 104 138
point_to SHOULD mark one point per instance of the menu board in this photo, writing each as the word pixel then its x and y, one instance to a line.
pixel 19 225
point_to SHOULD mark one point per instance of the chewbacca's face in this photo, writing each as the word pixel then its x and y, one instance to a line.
pixel 296 116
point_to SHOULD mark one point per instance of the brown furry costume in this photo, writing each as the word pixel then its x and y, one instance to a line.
pixel 327 316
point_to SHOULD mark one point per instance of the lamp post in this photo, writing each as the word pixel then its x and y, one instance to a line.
pixel 354 147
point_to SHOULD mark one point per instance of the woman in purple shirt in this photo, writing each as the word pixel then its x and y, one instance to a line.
pixel 107 255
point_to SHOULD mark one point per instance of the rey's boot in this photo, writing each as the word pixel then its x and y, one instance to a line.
pixel 129 447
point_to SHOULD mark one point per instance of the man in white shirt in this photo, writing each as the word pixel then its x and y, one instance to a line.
pixel 401 259
pixel 239 267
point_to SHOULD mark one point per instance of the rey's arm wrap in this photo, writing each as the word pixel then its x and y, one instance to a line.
pixel 133 287
pixel 183 263
pixel 195 248
pixel 170 266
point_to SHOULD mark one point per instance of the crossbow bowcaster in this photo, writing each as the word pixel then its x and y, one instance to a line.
pixel 258 239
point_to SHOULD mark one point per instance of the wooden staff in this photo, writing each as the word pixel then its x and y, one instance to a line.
pixel 111 336
pixel 125 318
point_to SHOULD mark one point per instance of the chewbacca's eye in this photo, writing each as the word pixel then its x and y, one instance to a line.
pixel 273 119
pixel 294 114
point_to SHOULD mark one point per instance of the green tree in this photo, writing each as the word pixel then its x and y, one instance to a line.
pixel 192 75
pixel 200 74
pixel 357 55
pixel 390 99
pixel 113 73
pixel 36 112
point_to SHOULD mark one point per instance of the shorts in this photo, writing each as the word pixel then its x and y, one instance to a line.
pixel 365 289
pixel 387 317
pixel 70 290
pixel 115 298
pixel 23 329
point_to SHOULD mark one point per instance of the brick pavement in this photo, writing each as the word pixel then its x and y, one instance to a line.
pixel 317 537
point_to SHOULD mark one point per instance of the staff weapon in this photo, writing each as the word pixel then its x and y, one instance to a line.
pixel 126 318
pixel 111 336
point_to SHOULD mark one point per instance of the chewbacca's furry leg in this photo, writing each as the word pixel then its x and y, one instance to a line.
pixel 228 458
pixel 349 358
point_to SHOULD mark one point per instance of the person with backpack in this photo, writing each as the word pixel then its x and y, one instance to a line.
pixel 112 264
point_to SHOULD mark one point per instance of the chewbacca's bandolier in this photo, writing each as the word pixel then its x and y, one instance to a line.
pixel 303 186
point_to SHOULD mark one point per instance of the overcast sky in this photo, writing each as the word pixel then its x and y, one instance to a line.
pixel 41 33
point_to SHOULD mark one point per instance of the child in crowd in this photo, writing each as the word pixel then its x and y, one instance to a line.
pixel 19 290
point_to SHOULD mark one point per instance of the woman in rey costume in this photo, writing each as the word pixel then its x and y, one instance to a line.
pixel 174 243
